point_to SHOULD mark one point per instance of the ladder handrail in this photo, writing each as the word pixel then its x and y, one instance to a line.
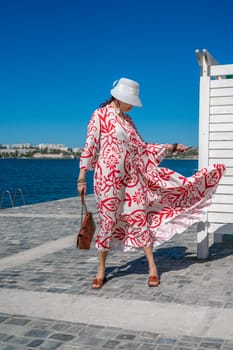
pixel 21 194
pixel 10 197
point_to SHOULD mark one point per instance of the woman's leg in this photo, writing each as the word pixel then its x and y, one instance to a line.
pixel 153 272
pixel 101 269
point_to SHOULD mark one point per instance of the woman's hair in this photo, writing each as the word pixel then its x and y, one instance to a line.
pixel 107 102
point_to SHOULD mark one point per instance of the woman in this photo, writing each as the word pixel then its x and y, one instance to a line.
pixel 140 205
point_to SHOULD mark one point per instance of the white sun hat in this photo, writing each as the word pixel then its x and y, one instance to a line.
pixel 127 91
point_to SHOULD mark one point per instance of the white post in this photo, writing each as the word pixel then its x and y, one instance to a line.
pixel 203 238
pixel 204 98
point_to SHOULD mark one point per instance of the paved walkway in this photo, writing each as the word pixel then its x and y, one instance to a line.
pixel 46 301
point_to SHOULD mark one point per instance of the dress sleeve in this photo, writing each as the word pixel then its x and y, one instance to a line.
pixel 88 157
pixel 159 151
pixel 155 150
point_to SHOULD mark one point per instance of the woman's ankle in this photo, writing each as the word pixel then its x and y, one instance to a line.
pixel 100 273
pixel 153 271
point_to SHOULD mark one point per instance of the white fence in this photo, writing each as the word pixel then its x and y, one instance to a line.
pixel 216 144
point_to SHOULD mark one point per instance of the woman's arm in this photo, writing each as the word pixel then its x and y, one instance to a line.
pixel 88 157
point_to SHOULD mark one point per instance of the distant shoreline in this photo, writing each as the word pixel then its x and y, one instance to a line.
pixel 190 154
pixel 49 157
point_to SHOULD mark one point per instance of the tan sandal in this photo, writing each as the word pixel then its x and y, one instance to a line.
pixel 153 281
pixel 98 283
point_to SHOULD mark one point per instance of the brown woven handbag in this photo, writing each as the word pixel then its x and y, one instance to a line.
pixel 87 230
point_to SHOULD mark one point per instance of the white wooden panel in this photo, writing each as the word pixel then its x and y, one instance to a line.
pixel 221 228
pixel 221 208
pixel 223 83
pixel 224 189
pixel 227 180
pixel 223 198
pixel 221 136
pixel 221 92
pixel 220 217
pixel 227 153
pixel 221 101
pixel 221 118
pixel 221 109
pixel 229 172
pixel 223 69
pixel 221 145
pixel 221 127
pixel 227 162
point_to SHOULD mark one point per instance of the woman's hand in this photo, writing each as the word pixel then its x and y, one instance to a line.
pixel 181 148
pixel 82 183
pixel 177 147
pixel 82 188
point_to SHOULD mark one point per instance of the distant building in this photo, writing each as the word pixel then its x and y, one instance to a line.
pixel 49 146
pixel 76 149
pixel 2 146
pixel 7 151
pixel 48 156
pixel 21 146
pixel 39 151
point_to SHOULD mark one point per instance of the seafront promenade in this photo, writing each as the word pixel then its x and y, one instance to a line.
pixel 46 300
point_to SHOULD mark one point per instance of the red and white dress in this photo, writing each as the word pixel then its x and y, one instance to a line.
pixel 140 203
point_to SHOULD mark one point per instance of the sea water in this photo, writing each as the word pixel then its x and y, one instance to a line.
pixel 42 180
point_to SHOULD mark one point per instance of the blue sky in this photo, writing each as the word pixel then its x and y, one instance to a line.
pixel 59 59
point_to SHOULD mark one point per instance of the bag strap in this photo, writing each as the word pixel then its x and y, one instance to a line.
pixel 84 207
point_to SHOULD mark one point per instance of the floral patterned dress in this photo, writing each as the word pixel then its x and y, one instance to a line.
pixel 140 203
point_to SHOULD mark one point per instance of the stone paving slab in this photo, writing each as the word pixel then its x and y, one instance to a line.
pixel 32 232
pixel 29 226
pixel 19 332
pixel 70 206
pixel 184 281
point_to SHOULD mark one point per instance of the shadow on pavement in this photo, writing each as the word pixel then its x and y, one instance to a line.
pixel 170 259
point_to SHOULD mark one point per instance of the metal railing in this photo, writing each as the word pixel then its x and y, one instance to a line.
pixel 18 190
pixel 12 199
